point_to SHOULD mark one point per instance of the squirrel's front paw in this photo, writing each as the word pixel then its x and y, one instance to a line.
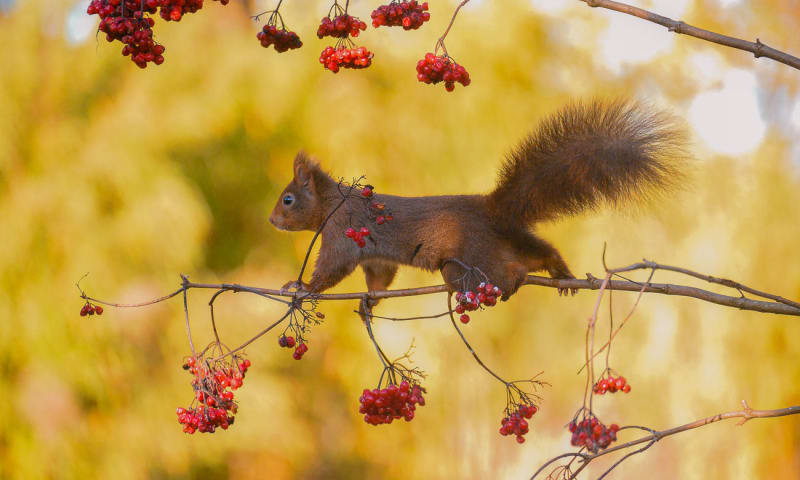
pixel 296 286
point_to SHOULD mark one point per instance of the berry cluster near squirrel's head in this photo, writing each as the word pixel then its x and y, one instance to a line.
pixel 381 406
pixel 516 423
pixel 612 385
pixel 357 235
pixel 486 294
pixel 434 69
pixel 592 434
pixel 409 15
pixel 213 384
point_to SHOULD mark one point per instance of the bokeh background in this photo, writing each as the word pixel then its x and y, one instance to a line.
pixel 136 176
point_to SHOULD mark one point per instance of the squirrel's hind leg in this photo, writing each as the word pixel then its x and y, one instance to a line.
pixel 543 256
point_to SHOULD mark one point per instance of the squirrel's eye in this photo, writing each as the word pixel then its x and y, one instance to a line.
pixel 288 199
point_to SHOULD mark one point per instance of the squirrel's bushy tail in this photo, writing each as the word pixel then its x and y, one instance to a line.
pixel 588 154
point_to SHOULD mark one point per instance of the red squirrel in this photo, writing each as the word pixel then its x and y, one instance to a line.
pixel 580 157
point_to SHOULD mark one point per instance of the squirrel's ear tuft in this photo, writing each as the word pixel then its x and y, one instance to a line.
pixel 303 171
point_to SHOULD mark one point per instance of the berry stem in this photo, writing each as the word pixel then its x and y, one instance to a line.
pixel 256 336
pixel 440 42
pixel 367 317
pixel 186 312
pixel 464 339
pixel 345 196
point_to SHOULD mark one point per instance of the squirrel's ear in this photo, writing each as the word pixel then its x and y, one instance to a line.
pixel 303 174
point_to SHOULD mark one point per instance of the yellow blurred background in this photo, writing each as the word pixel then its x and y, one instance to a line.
pixel 136 176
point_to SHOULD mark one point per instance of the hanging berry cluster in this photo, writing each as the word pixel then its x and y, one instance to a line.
pixel 213 384
pixel 592 434
pixel 281 38
pixel 128 22
pixel 612 385
pixel 341 26
pixel 485 295
pixel 89 309
pixel 516 423
pixel 434 69
pixel 174 10
pixel 125 21
pixel 382 406
pixel 286 342
pixel 409 15
pixel 300 321
pixel 345 57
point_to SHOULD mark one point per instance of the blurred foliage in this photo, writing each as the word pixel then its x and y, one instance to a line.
pixel 136 176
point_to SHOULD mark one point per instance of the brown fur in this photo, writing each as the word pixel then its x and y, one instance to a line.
pixel 579 157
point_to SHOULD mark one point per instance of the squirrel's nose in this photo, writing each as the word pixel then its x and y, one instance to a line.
pixel 275 220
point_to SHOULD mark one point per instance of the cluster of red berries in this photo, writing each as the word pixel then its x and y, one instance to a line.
pixel 299 351
pixel 383 215
pixel 341 26
pixel 612 385
pixel 174 10
pixel 281 39
pixel 89 309
pixel 357 235
pixel 592 434
pixel 390 403
pixel 433 69
pixel 344 57
pixel 486 294
pixel 410 15
pixel 515 424
pixel 286 342
pixel 123 20
pixel 213 392
pixel 289 342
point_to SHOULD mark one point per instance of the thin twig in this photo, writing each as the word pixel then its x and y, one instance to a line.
pixel 758 49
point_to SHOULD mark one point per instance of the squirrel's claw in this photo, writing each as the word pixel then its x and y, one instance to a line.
pixel 567 291
pixel 296 286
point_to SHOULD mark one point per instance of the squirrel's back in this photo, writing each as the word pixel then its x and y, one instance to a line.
pixel 587 154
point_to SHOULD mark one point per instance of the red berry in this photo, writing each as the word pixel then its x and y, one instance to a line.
pixel 380 220
pixel 626 388
pixel 98 310
pixel 350 232
pixel 464 318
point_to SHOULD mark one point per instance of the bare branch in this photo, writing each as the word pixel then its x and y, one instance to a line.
pixel 745 414
pixel 758 49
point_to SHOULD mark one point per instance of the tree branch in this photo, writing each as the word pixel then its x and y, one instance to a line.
pixel 745 414
pixel 758 49
pixel 783 307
